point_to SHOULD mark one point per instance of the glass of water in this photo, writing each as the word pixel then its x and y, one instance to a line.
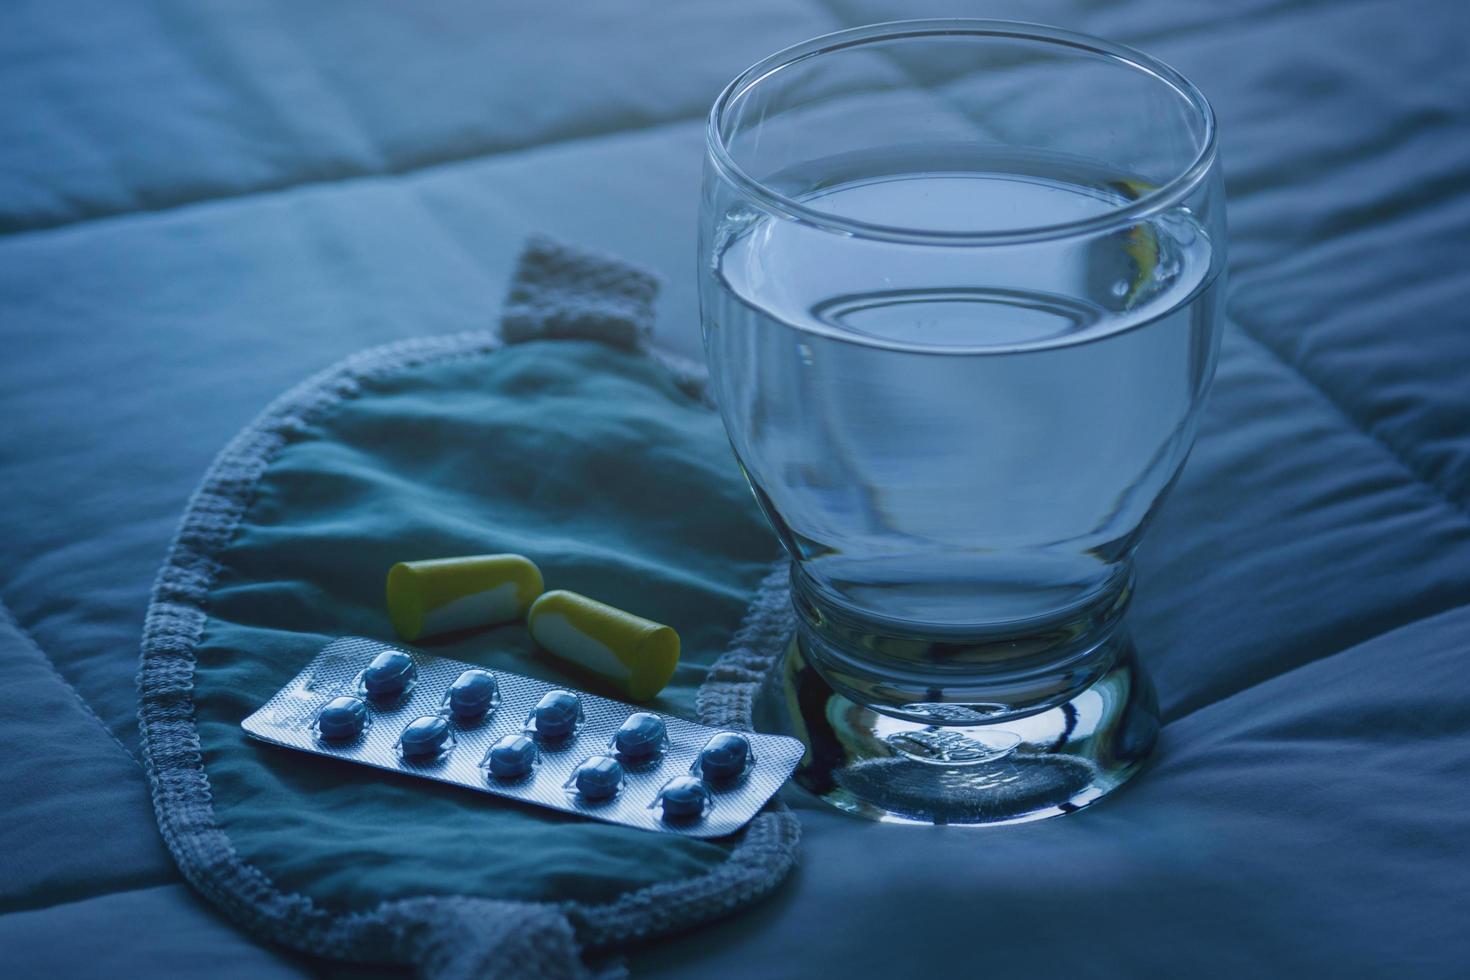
pixel 960 286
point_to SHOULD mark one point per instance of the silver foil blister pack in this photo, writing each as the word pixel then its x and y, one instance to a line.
pixel 399 709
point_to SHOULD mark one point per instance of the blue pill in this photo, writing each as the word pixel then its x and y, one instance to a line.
pixel 388 674
pixel 724 757
pixel 424 736
pixel 472 693
pixel 557 714
pixel 641 736
pixel 512 757
pixel 599 777
pixel 683 798
pixel 342 718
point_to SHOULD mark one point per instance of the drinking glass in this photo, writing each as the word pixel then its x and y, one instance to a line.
pixel 960 285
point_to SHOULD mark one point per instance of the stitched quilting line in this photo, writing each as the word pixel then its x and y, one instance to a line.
pixel 430 162
pixel 1403 462
pixel 1349 423
pixel 7 618
pixel 1448 611
pixel 347 177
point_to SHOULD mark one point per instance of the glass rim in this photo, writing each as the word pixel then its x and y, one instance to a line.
pixel 1158 199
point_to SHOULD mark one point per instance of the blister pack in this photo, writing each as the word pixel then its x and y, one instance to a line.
pixel 393 708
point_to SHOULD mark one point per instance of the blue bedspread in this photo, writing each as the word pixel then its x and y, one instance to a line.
pixel 201 204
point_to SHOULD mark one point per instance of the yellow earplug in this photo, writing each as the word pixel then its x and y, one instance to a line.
pixel 634 654
pixel 445 594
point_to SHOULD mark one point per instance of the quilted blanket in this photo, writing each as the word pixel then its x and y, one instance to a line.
pixel 201 204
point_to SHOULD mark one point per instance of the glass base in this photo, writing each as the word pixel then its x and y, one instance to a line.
pixel 1044 764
